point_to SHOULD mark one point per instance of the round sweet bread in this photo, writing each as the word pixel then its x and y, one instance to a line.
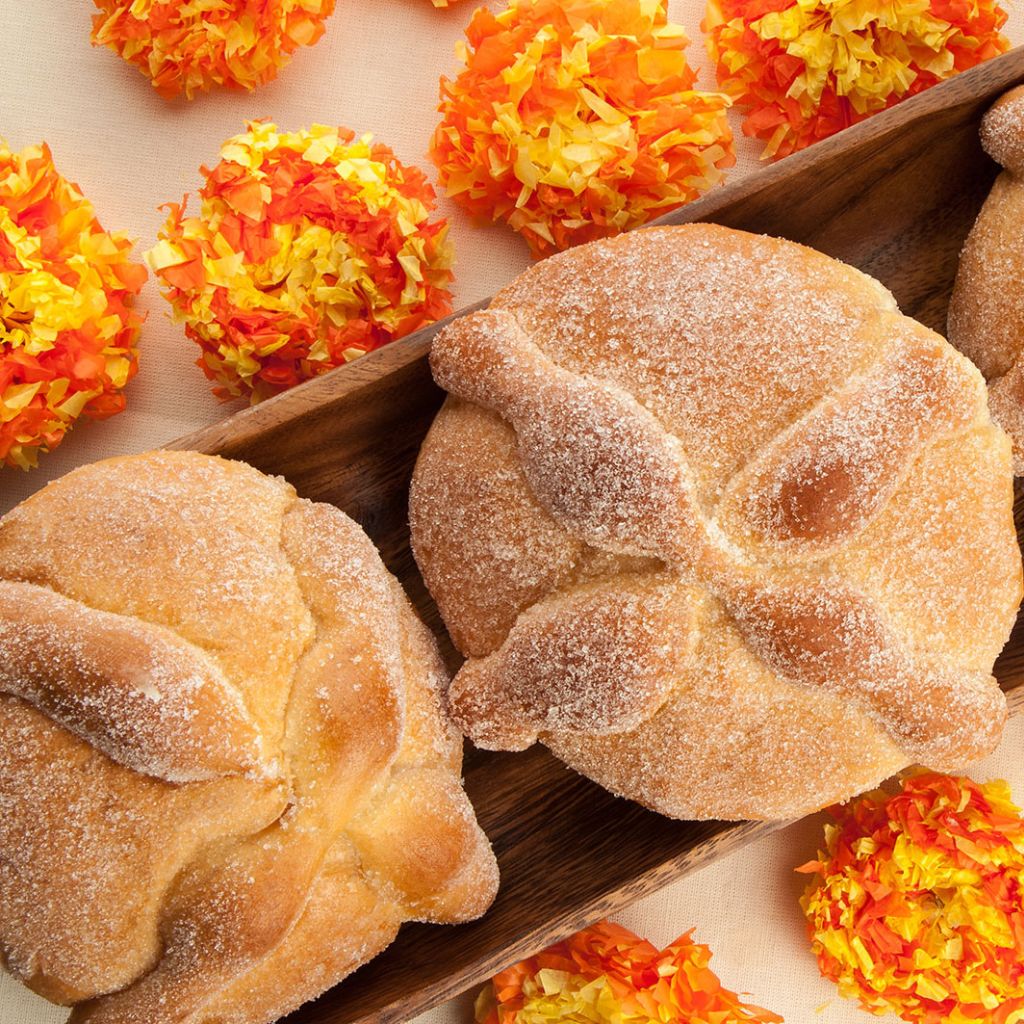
pixel 717 524
pixel 225 774
pixel 986 312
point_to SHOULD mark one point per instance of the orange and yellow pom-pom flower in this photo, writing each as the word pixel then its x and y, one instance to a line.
pixel 607 975
pixel 805 69
pixel 917 905
pixel 188 46
pixel 310 249
pixel 67 332
pixel 576 119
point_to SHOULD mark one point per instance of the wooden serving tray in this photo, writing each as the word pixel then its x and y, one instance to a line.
pixel 894 196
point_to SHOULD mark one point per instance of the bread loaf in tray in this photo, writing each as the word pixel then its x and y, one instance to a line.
pixel 225 773
pixel 714 521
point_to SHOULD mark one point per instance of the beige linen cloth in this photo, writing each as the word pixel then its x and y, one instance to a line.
pixel 376 71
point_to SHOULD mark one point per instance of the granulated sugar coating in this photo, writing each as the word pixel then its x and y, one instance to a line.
pixel 1002 131
pixel 755 428
pixel 223 757
pixel 986 312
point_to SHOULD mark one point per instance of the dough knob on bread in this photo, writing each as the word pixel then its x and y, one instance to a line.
pixel 226 771
pixel 821 503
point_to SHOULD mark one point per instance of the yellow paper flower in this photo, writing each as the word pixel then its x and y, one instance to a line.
pixel 310 248
pixel 67 332
pixel 917 906
pixel 191 45
pixel 607 975
pixel 805 69
pixel 577 119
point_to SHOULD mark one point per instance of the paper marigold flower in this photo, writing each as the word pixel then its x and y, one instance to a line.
pixel 190 45
pixel 917 907
pixel 309 250
pixel 607 975
pixel 805 69
pixel 67 332
pixel 577 119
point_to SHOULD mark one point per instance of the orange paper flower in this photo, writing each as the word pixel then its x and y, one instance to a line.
pixel 805 69
pixel 309 249
pixel 577 119
pixel 916 905
pixel 607 975
pixel 67 333
pixel 185 46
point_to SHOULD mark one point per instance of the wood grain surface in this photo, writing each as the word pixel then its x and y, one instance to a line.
pixel 894 196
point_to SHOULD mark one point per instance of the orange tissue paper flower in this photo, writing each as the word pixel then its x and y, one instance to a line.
pixel 310 248
pixel 185 46
pixel 572 120
pixel 805 69
pixel 607 975
pixel 67 330
pixel 916 903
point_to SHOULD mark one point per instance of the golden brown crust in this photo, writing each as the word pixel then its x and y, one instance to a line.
pixel 986 312
pixel 250 654
pixel 749 417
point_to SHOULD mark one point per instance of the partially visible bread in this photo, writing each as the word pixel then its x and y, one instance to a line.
pixel 986 312
pixel 225 773
pixel 715 522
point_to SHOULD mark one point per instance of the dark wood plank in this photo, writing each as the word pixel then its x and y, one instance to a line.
pixel 894 196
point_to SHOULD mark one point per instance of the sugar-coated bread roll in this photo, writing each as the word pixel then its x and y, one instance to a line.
pixel 225 774
pixel 986 313
pixel 715 522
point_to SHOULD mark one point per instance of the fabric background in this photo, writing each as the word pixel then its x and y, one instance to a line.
pixel 375 70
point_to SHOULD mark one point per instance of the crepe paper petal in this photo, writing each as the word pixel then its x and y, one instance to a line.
pixel 310 248
pixel 572 120
pixel 67 330
pixel 802 70
pixel 916 906
pixel 607 975
pixel 188 46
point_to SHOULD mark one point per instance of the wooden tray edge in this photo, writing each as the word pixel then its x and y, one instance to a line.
pixel 997 75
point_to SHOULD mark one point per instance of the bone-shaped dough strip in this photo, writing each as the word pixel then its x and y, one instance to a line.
pixel 826 634
pixel 240 902
pixel 825 479
pixel 593 455
pixel 346 711
pixel 599 660
pixel 145 697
